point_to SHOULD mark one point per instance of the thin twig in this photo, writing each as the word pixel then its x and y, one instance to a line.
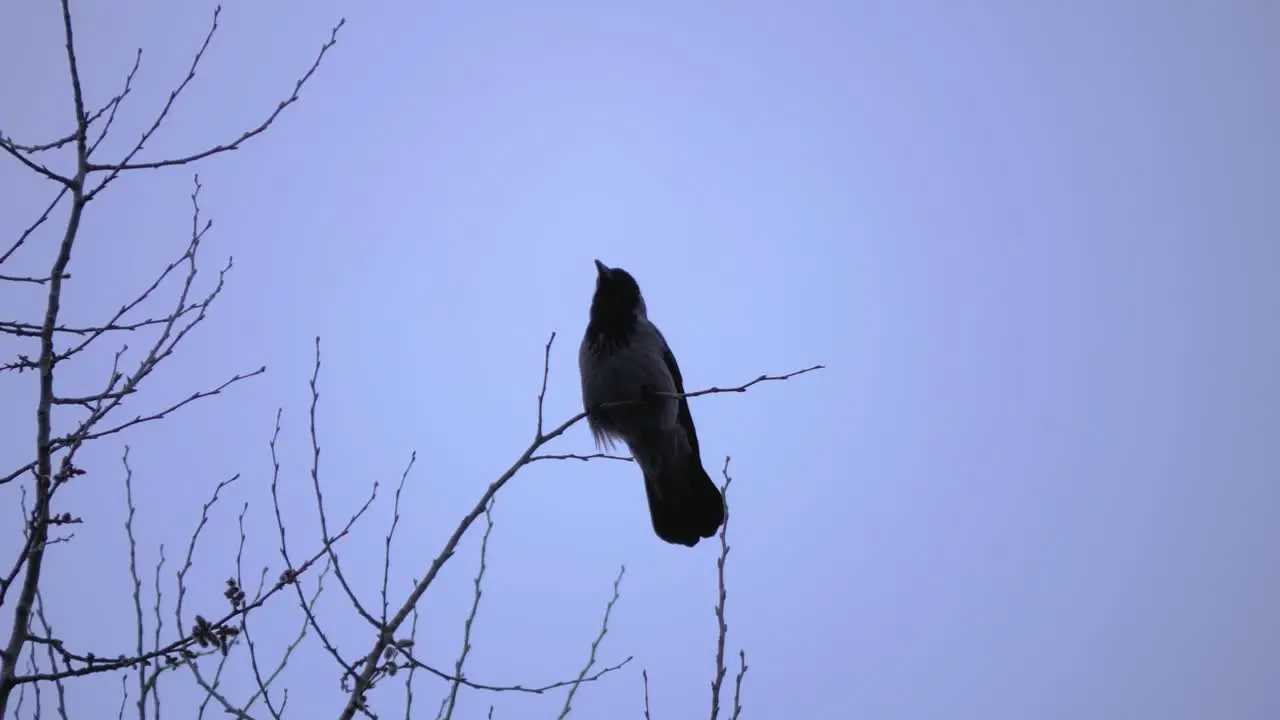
pixel 391 532
pixel 450 701
pixel 644 675
pixel 413 668
pixel 235 593
pixel 737 684
pixel 39 525
pixel 413 662
pixel 128 164
pixel 44 217
pixel 372 661
pixel 9 147
pixel 315 483
pixel 584 458
pixel 348 668
pixel 59 686
pixel 93 665
pixel 722 626
pixel 137 581
pixel 114 104
pixel 604 628
pixel 159 628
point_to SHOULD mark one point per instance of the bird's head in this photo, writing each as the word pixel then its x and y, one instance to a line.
pixel 617 296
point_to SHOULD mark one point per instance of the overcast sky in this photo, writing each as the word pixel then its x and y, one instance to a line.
pixel 1034 243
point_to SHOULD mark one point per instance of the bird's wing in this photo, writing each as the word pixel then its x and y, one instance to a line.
pixel 683 417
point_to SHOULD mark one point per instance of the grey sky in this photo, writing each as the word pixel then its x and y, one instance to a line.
pixel 1034 243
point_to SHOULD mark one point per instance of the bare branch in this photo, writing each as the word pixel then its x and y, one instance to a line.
pixel 171 335
pixel 722 626
pixel 164 413
pixel 371 662
pixel 21 559
pixel 113 105
pixel 546 368
pixel 39 525
pixel 164 111
pixel 24 328
pixel 44 216
pixel 137 581
pixel 315 482
pixel 41 147
pixel 391 532
pixel 411 661
pixel 584 458
pixel 182 308
pixel 30 330
pixel 348 668
pixel 737 684
pixel 9 147
pixel 644 675
pixel 59 686
pixel 743 387
pixel 124 696
pixel 449 702
pixel 22 644
pixel 408 677
pixel 182 646
pixel 604 628
pixel 264 684
pixel 159 628
pixel 128 164
pixel 191 547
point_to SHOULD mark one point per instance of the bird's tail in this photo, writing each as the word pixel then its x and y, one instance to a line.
pixel 684 502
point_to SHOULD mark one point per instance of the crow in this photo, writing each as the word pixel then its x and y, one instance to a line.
pixel 624 359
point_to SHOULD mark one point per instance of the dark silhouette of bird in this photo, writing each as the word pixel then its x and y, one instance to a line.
pixel 624 359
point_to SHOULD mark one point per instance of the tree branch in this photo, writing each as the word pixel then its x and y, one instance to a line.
pixel 591 661
pixel 371 662
pixel 44 454
pixel 722 627
pixel 127 163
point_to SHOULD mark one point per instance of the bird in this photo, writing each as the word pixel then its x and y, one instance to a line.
pixel 624 358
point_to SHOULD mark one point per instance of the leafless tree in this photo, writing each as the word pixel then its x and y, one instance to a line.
pixel 36 664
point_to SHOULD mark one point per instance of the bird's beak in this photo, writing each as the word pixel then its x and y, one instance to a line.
pixel 601 268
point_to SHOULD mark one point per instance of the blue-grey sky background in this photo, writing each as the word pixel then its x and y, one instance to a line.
pixel 1034 243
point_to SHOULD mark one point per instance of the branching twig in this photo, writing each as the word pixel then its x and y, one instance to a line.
pixel 92 664
pixel 44 217
pixel 371 662
pixel 722 626
pixel 315 483
pixel 450 701
pixel 412 662
pixel 9 147
pixel 128 164
pixel 39 525
pixel 53 663
pixel 644 675
pixel 584 458
pixel 604 628
pixel 391 532
pixel 158 630
pixel 114 104
pixel 737 684
pixel 413 668
pixel 348 668
pixel 46 473
pixel 137 581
